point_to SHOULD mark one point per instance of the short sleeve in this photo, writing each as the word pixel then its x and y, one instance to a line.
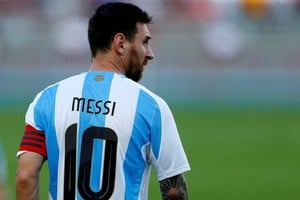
pixel 169 158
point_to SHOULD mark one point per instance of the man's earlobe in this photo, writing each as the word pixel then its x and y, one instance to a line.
pixel 121 50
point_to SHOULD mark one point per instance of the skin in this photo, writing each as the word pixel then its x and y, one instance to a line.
pixel 125 57
pixel 27 176
pixel 3 195
pixel 174 188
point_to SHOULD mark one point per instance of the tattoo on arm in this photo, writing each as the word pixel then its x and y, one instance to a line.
pixel 174 188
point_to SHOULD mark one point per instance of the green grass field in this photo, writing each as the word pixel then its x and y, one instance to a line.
pixel 235 154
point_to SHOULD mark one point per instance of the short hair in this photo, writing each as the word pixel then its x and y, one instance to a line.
pixel 112 18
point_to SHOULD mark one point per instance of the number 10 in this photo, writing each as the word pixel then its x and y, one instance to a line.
pixel 109 162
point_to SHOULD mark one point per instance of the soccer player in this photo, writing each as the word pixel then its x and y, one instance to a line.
pixel 101 131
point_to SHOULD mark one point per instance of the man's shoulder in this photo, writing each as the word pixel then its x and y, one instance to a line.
pixel 149 94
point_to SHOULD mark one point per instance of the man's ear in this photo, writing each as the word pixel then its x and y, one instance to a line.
pixel 119 43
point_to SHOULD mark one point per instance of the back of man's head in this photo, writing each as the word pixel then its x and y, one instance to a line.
pixel 112 18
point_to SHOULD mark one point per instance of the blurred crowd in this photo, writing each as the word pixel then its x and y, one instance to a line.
pixel 201 9
pixel 35 32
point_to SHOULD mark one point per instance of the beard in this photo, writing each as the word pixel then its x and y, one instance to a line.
pixel 134 75
pixel 135 67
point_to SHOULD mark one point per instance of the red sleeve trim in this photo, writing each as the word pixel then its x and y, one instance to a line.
pixel 33 140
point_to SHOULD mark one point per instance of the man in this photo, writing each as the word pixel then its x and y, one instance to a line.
pixel 101 131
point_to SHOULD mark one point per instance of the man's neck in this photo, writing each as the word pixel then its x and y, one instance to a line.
pixel 108 62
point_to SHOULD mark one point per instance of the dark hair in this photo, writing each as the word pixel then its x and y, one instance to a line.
pixel 112 18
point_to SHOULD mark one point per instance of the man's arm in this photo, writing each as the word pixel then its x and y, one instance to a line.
pixel 3 194
pixel 174 188
pixel 27 177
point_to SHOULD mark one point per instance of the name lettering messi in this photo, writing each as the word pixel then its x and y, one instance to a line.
pixel 93 106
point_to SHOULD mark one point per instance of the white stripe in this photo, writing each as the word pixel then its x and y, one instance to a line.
pixel 29 118
pixel 67 89
pixel 125 93
pixel 170 141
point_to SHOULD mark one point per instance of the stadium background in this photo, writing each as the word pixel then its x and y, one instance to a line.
pixel 230 71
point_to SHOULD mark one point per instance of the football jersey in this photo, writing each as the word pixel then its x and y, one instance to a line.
pixel 102 134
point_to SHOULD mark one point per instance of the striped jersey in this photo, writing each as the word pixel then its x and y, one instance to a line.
pixel 101 132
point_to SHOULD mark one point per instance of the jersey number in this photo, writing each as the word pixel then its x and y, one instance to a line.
pixel 109 164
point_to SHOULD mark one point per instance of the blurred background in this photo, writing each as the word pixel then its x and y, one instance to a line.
pixel 234 63
pixel 212 51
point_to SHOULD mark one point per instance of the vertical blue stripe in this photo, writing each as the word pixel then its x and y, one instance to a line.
pixel 134 164
pixel 45 110
pixel 96 89
pixel 156 132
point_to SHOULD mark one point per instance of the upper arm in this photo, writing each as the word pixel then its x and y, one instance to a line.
pixel 29 164
pixel 27 177
pixel 3 194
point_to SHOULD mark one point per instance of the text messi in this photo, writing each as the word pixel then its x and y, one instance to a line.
pixel 93 106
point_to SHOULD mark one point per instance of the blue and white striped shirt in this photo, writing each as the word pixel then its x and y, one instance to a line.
pixel 103 133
